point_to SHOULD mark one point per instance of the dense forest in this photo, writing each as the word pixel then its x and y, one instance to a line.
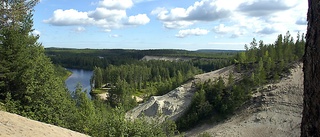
pixel 259 64
pixel 31 87
pixel 90 58
pixel 145 78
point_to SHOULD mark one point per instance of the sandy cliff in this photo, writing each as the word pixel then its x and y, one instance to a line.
pixel 274 111
pixel 12 125
pixel 174 103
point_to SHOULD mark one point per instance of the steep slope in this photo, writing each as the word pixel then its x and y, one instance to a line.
pixel 275 110
pixel 12 125
pixel 174 103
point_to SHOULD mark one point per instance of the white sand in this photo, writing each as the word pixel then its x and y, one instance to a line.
pixel 276 111
pixel 174 103
pixel 12 125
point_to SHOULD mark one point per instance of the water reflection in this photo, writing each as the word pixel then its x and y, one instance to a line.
pixel 79 76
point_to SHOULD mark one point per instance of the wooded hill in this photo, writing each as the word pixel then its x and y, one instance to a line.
pixel 260 64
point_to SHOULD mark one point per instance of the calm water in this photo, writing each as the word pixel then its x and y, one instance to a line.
pixel 79 76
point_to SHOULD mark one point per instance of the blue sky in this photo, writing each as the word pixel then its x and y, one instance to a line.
pixel 166 24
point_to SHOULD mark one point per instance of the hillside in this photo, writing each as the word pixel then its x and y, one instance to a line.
pixel 274 111
pixel 12 125
pixel 174 103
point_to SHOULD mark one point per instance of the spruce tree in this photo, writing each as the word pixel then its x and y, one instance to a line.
pixel 28 81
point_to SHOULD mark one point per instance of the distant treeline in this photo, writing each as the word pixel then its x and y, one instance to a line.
pixel 89 58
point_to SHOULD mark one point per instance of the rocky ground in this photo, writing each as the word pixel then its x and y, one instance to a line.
pixel 274 111
pixel 12 125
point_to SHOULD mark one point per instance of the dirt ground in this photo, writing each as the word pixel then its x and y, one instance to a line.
pixel 173 104
pixel 274 111
pixel 12 125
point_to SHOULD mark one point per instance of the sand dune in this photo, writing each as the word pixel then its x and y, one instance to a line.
pixel 12 125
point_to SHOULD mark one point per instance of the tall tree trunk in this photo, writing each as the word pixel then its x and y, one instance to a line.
pixel 310 125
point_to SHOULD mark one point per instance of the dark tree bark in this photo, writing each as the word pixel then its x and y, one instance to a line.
pixel 310 125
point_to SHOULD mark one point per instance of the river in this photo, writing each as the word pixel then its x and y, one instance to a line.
pixel 79 76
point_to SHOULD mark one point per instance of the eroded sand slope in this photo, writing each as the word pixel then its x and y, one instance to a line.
pixel 274 111
pixel 12 125
pixel 174 103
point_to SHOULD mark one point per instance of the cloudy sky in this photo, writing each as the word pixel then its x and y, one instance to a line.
pixel 166 24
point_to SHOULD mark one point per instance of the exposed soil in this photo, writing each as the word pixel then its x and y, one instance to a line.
pixel 274 111
pixel 173 104
pixel 12 125
pixel 147 58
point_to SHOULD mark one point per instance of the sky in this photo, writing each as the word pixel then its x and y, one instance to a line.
pixel 166 24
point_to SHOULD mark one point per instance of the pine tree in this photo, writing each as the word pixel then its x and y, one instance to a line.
pixel 310 125
pixel 97 78
pixel 29 76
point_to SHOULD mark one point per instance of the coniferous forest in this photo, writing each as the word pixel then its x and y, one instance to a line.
pixel 32 79
pixel 260 64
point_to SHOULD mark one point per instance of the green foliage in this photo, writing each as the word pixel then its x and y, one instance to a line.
pixel 145 78
pixel 62 72
pixel 270 61
pixel 88 58
pixel 97 79
pixel 31 86
pixel 259 64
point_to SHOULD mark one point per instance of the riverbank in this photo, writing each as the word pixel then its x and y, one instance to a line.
pixel 79 76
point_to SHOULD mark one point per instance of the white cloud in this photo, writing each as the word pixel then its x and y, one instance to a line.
pixel 264 17
pixel 200 11
pixel 116 4
pixel 68 17
pixel 140 1
pixel 79 29
pixel 235 19
pixel 222 29
pixel 177 24
pixel 109 15
pixel 114 35
pixel 265 7
pixel 140 19
pixel 234 31
pixel 159 10
pixel 103 13
pixel 267 30
pixel 196 32
pixel 301 21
